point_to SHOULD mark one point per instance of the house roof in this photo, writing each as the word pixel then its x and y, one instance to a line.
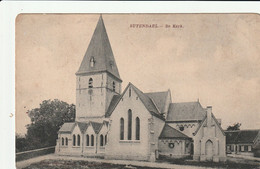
pixel 231 136
pixel 67 127
pixel 146 100
pixel 241 136
pixel 185 111
pixel 159 99
pixel 100 50
pixel 170 132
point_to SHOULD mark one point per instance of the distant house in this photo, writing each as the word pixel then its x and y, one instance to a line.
pixel 243 142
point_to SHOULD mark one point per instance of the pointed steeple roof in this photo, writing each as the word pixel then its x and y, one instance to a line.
pixel 99 51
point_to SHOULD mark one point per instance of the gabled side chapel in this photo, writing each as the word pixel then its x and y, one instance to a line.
pixel 132 124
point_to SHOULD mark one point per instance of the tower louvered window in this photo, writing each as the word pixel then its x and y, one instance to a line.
pixel 114 86
pixel 90 83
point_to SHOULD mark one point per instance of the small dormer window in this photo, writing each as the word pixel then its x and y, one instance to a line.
pixel 92 62
pixel 114 86
pixel 111 64
pixel 90 83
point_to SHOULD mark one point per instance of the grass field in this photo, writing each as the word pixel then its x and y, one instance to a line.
pixel 72 164
pixel 68 164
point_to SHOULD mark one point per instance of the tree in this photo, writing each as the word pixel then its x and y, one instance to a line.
pixel 47 120
pixel 235 126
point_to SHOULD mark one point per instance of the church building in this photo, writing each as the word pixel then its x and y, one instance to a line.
pixel 129 124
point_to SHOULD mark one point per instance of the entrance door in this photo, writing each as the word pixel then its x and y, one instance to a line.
pixel 209 150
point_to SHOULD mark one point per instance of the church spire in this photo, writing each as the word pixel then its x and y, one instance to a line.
pixel 99 55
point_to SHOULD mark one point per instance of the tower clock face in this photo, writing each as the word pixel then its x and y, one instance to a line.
pixel 90 91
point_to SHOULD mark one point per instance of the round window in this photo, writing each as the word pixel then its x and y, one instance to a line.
pixel 171 145
pixel 181 128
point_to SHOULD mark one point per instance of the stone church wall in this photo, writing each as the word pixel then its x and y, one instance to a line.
pixel 128 149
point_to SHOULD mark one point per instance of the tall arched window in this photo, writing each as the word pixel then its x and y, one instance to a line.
pixel 74 140
pixel 92 62
pixel 101 140
pixel 62 141
pixel 130 92
pixel 78 140
pixel 114 86
pixel 121 129
pixel 137 128
pixel 92 140
pixel 87 139
pixel 106 139
pixel 129 124
pixel 90 83
pixel 66 141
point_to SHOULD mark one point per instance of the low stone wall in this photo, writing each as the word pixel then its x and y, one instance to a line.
pixel 34 153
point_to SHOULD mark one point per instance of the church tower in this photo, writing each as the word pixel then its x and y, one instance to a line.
pixel 98 79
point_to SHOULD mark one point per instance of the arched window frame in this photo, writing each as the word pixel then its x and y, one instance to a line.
pixel 62 141
pixel 114 86
pixel 129 133
pixel 74 140
pixel 137 128
pixel 101 140
pixel 78 140
pixel 122 129
pixel 66 141
pixel 92 140
pixel 87 140
pixel 106 139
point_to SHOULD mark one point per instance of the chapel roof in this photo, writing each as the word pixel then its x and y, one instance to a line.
pixel 170 132
pixel 82 126
pixel 100 50
pixel 159 98
pixel 96 126
pixel 115 99
pixel 185 111
pixel 146 100
pixel 241 136
pixel 67 127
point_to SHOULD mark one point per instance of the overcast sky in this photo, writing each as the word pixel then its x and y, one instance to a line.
pixel 213 57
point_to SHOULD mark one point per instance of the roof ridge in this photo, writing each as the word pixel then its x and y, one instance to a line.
pixel 156 92
pixel 185 102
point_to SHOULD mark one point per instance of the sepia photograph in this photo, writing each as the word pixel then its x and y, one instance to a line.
pixel 142 91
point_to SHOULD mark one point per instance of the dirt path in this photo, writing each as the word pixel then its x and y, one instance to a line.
pixel 22 164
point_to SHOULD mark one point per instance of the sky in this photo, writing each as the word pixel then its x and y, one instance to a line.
pixel 212 57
